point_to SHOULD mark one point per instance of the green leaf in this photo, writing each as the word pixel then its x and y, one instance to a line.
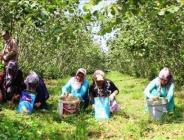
pixel 87 16
pixel 87 7
pixel 181 1
pixel 162 12
pixel 173 9
pixel 95 2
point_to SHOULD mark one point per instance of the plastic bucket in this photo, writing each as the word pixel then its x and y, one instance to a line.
pixel 68 107
pixel 157 108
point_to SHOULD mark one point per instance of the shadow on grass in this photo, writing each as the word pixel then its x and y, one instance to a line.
pixel 79 121
pixel 176 117
pixel 122 114
pixel 82 115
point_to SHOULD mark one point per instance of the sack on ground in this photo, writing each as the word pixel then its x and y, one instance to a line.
pixel 26 102
pixel 102 107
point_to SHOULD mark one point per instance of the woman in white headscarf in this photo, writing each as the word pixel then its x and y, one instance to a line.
pixel 78 86
pixel 162 86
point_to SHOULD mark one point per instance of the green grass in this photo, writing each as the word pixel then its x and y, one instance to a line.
pixel 131 122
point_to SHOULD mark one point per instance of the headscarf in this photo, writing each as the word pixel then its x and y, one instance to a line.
pixel 76 84
pixel 12 65
pixel 98 74
pixel 32 78
pixel 81 70
pixel 10 76
pixel 4 33
pixel 165 74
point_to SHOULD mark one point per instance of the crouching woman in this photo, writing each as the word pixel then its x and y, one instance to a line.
pixel 162 86
pixel 28 96
pixel 77 87
pixel 102 87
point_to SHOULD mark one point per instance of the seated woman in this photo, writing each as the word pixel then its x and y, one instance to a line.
pixel 78 86
pixel 102 87
pixel 12 83
pixel 162 86
pixel 28 96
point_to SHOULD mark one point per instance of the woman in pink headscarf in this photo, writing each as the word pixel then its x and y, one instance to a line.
pixel 162 86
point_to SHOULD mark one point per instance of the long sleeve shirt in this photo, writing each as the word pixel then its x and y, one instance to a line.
pixel 107 89
pixel 155 89
pixel 81 93
pixel 10 51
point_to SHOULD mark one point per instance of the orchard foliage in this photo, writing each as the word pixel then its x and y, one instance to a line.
pixel 52 36
pixel 55 37
pixel 149 36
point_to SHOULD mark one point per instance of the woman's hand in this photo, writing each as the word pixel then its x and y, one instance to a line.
pixel 112 96
pixel 93 106
pixel 38 104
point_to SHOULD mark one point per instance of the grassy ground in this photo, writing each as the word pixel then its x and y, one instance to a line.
pixel 131 122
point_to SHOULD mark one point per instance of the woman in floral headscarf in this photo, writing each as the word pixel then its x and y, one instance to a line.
pixel 162 86
pixel 27 97
pixel 42 93
pixel 78 86
pixel 102 87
